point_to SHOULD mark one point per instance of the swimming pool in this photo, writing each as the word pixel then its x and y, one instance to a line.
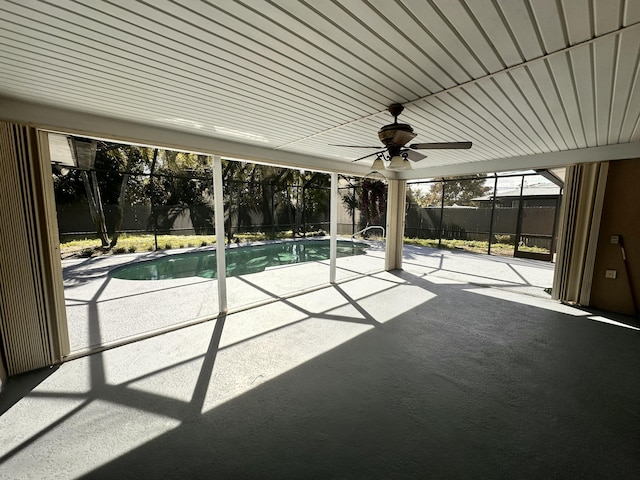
pixel 240 260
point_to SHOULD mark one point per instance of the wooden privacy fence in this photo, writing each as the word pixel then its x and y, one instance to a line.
pixel 469 223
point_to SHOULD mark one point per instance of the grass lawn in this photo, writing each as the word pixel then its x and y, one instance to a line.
pixel 134 243
pixel 128 243
pixel 475 246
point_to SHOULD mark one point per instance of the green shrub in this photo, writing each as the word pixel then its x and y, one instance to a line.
pixel 132 249
pixel 119 250
pixel 503 239
pixel 168 246
pixel 85 252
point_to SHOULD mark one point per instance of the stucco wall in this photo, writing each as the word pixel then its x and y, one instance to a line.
pixel 620 216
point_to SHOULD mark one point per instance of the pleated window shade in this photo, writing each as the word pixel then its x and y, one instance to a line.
pixel 582 201
pixel 31 299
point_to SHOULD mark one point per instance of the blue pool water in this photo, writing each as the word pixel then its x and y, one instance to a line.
pixel 240 260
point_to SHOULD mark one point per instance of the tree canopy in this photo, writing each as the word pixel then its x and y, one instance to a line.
pixel 457 191
pixel 171 182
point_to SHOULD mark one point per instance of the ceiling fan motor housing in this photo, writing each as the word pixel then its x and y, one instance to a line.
pixel 396 134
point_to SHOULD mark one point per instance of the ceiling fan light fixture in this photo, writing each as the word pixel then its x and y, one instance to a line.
pixel 377 165
pixel 399 163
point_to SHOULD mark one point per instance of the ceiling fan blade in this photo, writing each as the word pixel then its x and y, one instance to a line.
pixel 440 146
pixel 415 156
pixel 367 156
pixel 354 146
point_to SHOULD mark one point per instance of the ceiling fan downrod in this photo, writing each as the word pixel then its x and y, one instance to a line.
pixel 395 109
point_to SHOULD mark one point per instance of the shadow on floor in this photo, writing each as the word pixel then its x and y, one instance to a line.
pixel 464 386
pixel 460 385
pixel 19 386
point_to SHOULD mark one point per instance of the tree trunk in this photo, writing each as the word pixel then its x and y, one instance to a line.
pixel 102 224
pixel 267 204
pixel 119 210
pixel 95 206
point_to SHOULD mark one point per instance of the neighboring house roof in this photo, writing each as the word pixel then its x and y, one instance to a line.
pixel 528 191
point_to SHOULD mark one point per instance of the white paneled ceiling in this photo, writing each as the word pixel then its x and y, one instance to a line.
pixel 530 82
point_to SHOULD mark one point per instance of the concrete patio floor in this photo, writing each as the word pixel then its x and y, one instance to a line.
pixel 438 371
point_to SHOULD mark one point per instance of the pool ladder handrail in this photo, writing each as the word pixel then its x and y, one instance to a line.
pixel 369 227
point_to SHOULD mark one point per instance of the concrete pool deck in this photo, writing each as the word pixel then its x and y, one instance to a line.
pixel 407 374
pixel 102 309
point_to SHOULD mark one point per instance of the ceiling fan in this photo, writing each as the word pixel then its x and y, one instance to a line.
pixel 395 137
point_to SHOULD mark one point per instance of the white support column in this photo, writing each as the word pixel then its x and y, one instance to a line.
pixel 218 195
pixel 396 200
pixel 333 229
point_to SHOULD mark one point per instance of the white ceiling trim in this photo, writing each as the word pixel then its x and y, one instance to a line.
pixel 605 153
pixel 70 122
pixel 82 124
